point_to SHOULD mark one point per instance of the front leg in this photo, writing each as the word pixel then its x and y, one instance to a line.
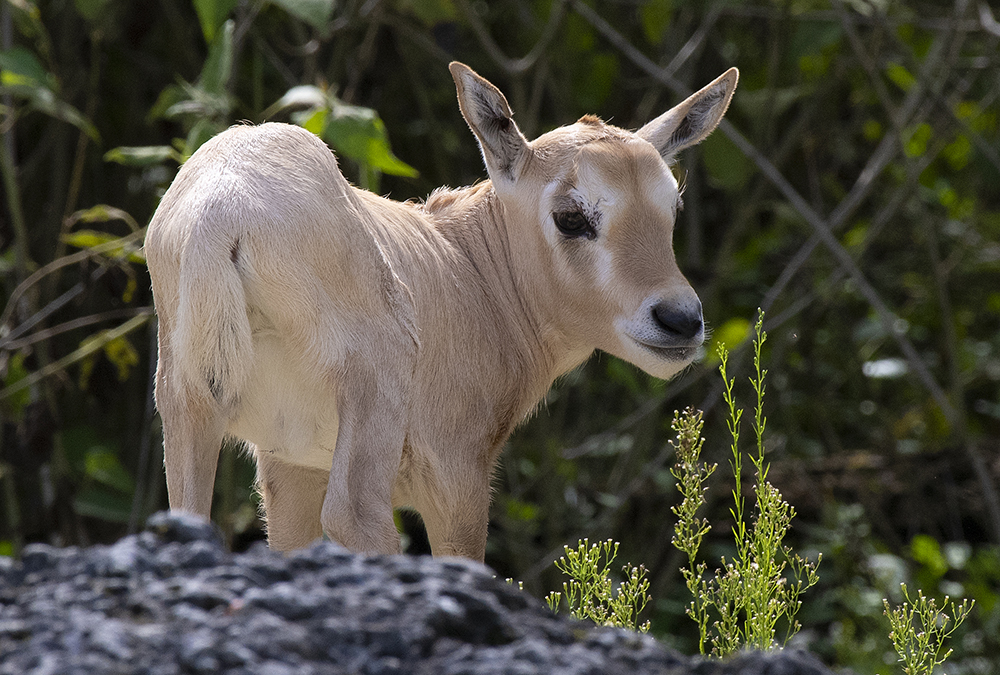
pixel 357 509
pixel 455 507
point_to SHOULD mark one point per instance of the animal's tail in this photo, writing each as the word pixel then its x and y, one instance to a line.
pixel 212 335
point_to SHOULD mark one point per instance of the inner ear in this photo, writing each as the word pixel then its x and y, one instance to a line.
pixel 691 121
pixel 485 109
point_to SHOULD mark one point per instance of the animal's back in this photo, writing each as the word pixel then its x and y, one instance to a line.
pixel 241 237
pixel 266 276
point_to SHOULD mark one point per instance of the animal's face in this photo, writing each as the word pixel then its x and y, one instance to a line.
pixel 594 206
pixel 607 203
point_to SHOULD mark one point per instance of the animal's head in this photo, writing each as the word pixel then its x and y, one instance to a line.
pixel 592 208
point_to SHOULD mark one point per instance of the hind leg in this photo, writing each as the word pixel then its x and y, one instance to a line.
pixel 193 427
pixel 293 500
pixel 357 510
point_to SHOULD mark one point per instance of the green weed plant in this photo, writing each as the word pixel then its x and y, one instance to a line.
pixel 589 591
pixel 744 602
pixel 919 630
pixel 751 594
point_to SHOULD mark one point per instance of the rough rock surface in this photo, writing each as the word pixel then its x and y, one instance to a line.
pixel 172 600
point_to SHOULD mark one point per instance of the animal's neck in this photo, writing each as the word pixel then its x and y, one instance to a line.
pixel 504 324
pixel 483 236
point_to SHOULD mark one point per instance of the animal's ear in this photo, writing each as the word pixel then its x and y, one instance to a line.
pixel 489 116
pixel 688 123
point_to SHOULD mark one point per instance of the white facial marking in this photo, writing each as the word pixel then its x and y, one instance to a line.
pixel 545 212
pixel 662 191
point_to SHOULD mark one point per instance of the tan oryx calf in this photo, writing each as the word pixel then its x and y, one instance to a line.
pixel 375 354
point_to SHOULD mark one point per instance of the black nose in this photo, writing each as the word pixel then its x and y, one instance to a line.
pixel 682 324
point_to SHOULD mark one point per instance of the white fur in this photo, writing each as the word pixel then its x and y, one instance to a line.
pixel 373 354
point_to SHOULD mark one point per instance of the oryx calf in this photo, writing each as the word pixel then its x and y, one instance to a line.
pixel 375 354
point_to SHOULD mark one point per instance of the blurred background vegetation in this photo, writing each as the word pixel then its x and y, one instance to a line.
pixel 853 192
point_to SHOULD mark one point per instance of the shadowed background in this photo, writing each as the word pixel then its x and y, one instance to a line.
pixel 853 192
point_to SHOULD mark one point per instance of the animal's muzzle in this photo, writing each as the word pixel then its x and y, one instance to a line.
pixel 679 323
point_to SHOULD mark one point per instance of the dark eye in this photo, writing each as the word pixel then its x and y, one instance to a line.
pixel 574 224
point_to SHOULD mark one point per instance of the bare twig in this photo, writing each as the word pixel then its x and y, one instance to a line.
pixel 122 242
pixel 987 21
pixel 13 343
pixel 820 226
pixel 83 352
pixel 521 65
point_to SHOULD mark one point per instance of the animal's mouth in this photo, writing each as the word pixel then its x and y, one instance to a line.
pixel 668 352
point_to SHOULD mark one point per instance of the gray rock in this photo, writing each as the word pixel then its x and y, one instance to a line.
pixel 171 600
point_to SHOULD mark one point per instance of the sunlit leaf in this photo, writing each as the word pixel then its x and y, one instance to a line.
pixel 919 137
pixel 314 12
pixel 958 152
pixel 123 355
pixel 142 155
pixel 730 334
pixel 872 130
pixel 313 121
pixel 92 238
pixel 20 61
pixel 358 133
pixel 301 96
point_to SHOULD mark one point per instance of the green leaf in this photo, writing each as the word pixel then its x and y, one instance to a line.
pixel 168 98
pixel 19 61
pixel 655 16
pixel 312 121
pixel 900 76
pixel 919 137
pixel 358 133
pixel 301 96
pixel 92 238
pixel 142 155
pixel 314 12
pixel 102 466
pixel 727 166
pixel 730 335
pixel 211 15
pixel 219 64
pixel 77 442
pixel 44 100
pixel 15 373
pixel 96 501
pixel 123 355
pixel 92 10
pixel 958 152
pixel 927 552
pixel 202 131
